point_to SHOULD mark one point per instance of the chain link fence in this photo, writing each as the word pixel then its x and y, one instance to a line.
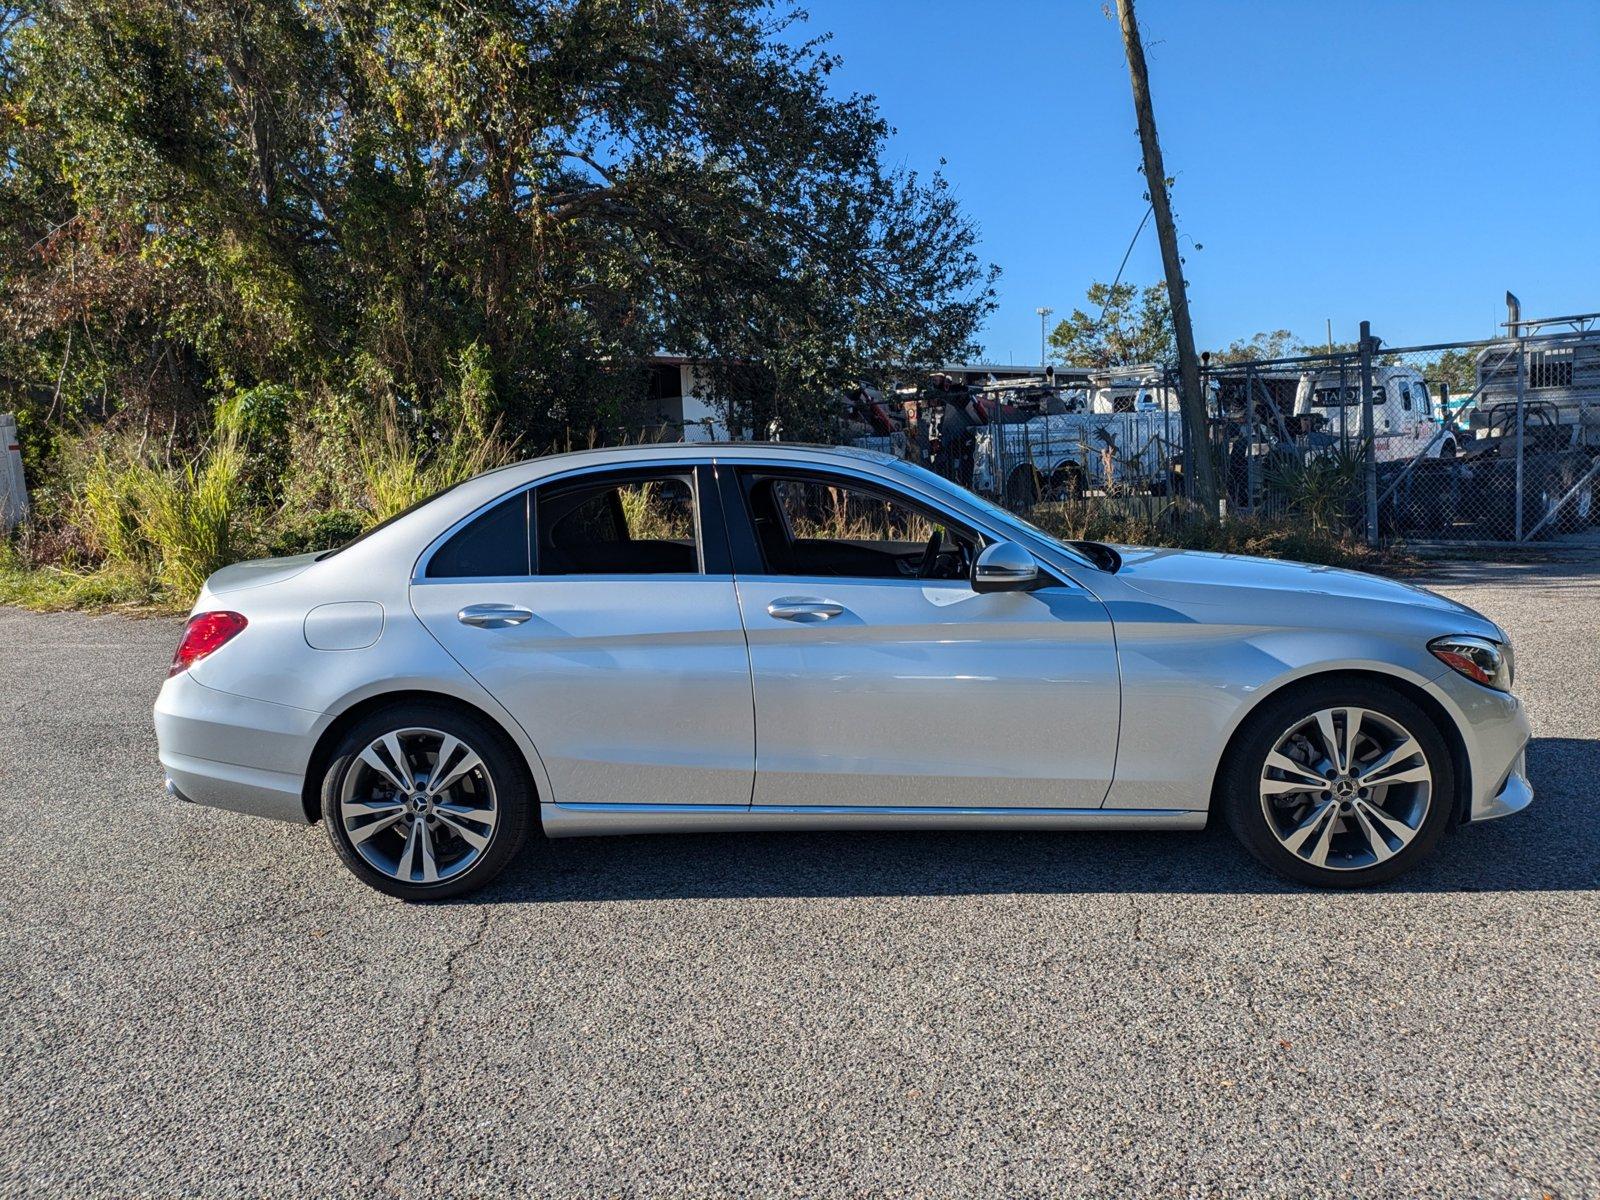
pixel 1468 441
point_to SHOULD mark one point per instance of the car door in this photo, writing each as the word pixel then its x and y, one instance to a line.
pixel 599 609
pixel 880 686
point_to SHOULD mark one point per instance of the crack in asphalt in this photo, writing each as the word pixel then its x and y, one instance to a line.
pixel 422 1072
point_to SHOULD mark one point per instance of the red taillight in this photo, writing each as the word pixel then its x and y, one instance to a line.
pixel 204 633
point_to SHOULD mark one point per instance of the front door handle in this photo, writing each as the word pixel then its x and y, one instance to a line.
pixel 493 616
pixel 803 608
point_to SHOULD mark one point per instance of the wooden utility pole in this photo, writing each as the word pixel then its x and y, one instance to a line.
pixel 1191 400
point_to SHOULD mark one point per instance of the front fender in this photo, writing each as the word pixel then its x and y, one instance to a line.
pixel 1186 689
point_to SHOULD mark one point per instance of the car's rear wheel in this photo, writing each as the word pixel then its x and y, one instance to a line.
pixel 1339 784
pixel 424 802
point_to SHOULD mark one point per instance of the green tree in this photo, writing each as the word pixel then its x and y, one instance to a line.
pixel 1458 369
pixel 366 203
pixel 1131 325
pixel 1279 343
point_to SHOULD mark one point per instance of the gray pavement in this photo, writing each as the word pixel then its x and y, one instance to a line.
pixel 199 1003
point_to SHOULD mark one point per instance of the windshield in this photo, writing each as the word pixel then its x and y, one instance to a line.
pixel 1000 516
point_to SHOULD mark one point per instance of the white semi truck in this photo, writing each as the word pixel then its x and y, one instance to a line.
pixel 1406 420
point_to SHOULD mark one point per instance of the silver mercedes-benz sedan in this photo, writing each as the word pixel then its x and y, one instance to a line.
pixel 731 637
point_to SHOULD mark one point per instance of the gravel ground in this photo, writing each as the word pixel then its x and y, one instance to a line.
pixel 199 1003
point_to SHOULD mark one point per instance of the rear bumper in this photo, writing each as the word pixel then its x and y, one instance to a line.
pixel 231 752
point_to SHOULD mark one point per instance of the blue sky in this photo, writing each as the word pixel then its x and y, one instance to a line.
pixel 1403 162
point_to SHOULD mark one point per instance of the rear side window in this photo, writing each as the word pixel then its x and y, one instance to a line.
pixel 638 525
pixel 494 545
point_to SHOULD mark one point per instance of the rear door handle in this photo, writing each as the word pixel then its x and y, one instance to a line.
pixel 493 616
pixel 804 609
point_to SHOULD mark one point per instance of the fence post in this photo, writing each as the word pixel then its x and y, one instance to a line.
pixel 1522 390
pixel 1368 434
pixel 997 452
pixel 1251 466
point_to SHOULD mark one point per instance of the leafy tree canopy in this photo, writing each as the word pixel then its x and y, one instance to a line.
pixel 1279 343
pixel 509 200
pixel 1130 325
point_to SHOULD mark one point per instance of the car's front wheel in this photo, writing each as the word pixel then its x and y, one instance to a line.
pixel 1339 784
pixel 424 802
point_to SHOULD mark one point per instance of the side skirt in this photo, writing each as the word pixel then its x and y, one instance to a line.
pixel 587 820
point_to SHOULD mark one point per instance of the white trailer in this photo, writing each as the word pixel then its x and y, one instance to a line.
pixel 1066 455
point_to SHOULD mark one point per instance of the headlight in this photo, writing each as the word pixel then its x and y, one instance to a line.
pixel 1479 659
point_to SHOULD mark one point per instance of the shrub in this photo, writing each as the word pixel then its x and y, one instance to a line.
pixel 1322 488
pixel 324 531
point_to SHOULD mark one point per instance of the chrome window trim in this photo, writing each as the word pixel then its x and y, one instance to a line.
pixel 680 466
pixel 611 578
pixel 1060 564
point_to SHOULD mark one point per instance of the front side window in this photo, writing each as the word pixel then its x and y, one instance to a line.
pixel 827 526
pixel 637 525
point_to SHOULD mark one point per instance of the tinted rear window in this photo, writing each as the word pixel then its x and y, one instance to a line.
pixel 493 545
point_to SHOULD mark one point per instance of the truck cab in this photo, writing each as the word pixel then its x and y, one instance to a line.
pixel 1406 421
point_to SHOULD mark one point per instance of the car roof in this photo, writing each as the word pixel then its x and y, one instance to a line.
pixel 416 528
pixel 698 450
pixel 529 470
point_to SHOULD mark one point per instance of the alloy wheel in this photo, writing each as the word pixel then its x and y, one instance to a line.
pixel 419 805
pixel 1346 788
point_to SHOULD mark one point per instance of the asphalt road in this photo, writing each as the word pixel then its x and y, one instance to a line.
pixel 199 1003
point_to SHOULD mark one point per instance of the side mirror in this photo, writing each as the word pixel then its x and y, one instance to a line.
pixel 1004 567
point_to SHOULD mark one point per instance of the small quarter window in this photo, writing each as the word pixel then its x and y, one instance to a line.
pixel 493 546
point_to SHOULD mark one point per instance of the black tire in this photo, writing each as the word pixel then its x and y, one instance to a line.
pixel 1239 782
pixel 1066 483
pixel 1023 488
pixel 501 762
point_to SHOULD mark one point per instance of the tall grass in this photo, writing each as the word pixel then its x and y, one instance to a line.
pixel 178 524
pixel 187 517
pixel 657 511
pixel 398 471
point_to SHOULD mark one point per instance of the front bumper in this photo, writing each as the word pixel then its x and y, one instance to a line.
pixel 1514 795
pixel 1494 728
pixel 232 752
